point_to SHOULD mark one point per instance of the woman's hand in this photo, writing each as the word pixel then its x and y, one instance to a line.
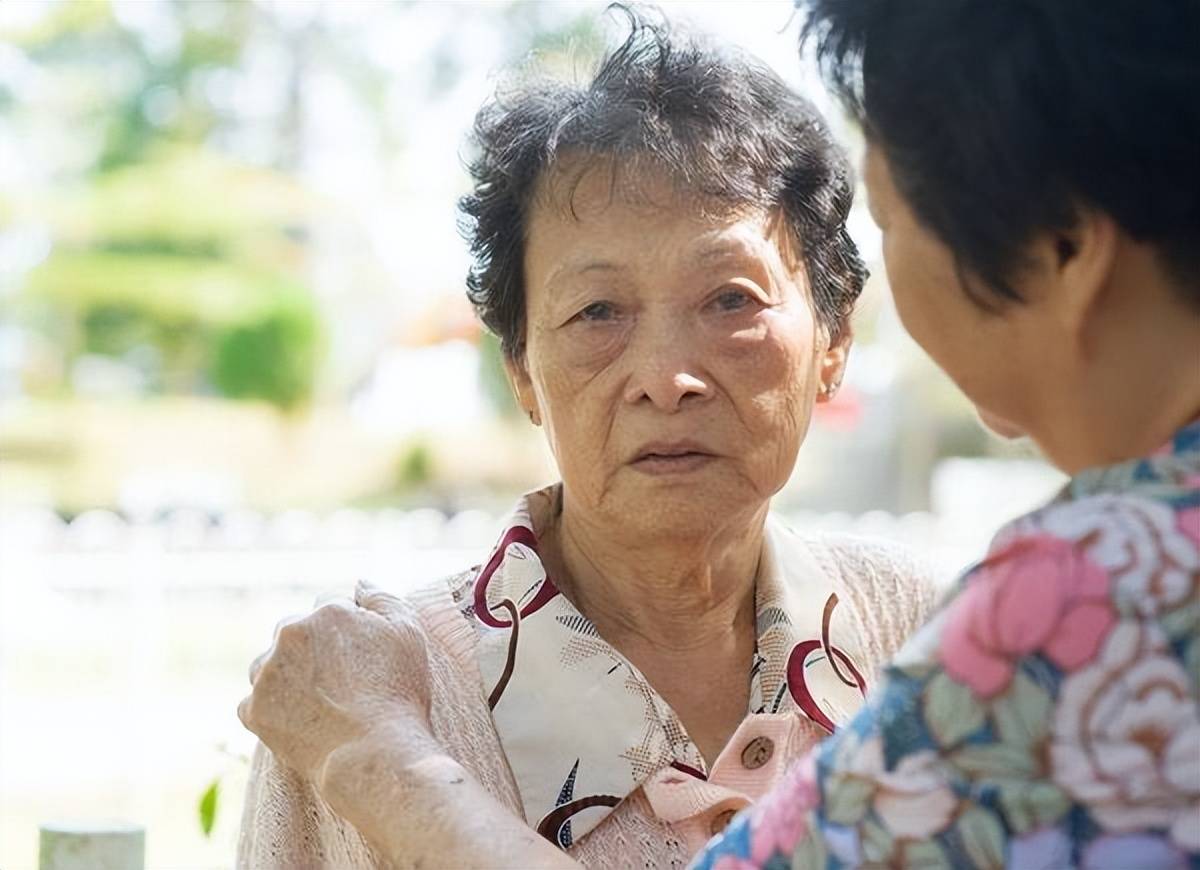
pixel 348 674
pixel 342 697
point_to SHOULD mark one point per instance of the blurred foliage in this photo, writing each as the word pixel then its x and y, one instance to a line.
pixel 415 468
pixel 165 251
pixel 190 201
pixel 560 46
pixel 274 358
pixel 493 379
pixel 170 256
pixel 152 92
pixel 149 262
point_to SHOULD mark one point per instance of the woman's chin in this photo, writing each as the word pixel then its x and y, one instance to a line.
pixel 684 505
pixel 999 426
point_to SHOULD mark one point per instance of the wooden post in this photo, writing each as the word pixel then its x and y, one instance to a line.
pixel 91 846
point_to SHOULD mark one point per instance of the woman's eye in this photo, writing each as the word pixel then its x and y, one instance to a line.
pixel 733 300
pixel 598 311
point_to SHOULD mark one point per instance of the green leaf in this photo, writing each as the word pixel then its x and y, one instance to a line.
pixel 983 838
pixel 1181 621
pixel 208 807
pixel 994 761
pixel 1023 713
pixel 918 671
pixel 951 711
pixel 810 854
pixel 925 855
pixel 1032 805
pixel 1191 662
pixel 877 842
pixel 846 799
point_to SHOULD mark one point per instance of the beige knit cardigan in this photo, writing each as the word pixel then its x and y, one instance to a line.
pixel 286 824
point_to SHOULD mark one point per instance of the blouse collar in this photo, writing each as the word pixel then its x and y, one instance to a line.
pixel 1174 464
pixel 581 727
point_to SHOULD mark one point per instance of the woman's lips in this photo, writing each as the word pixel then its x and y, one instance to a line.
pixel 675 463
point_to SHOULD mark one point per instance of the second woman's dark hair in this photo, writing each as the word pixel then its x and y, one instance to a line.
pixel 1001 119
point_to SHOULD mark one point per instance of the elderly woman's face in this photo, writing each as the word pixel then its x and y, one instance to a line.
pixel 673 358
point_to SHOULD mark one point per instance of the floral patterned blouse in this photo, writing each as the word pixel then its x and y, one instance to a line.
pixel 1047 717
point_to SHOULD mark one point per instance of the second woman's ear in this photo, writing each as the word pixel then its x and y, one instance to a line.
pixel 1083 260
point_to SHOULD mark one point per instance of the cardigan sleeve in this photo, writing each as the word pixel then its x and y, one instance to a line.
pixel 286 824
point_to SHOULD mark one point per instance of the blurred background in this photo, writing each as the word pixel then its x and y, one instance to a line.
pixel 238 370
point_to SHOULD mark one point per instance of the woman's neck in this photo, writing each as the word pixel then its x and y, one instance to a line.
pixel 1134 378
pixel 1149 393
pixel 671 595
pixel 680 611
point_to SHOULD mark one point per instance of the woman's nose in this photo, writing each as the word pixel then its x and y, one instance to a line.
pixel 666 372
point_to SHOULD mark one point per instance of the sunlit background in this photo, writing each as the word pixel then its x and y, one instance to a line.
pixel 238 371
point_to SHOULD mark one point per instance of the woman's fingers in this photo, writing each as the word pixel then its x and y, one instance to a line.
pixel 256 665
pixel 335 675
pixel 286 624
pixel 393 609
pixel 260 660
pixel 243 712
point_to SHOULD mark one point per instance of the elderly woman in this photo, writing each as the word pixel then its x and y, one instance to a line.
pixel 664 257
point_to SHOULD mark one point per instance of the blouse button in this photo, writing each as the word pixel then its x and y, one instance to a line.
pixel 721 821
pixel 757 753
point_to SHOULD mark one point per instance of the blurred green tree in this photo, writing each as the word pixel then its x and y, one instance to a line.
pixel 168 251
pixel 163 249
pixel 148 258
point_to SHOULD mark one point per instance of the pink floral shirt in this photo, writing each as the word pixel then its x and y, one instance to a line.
pixel 1047 717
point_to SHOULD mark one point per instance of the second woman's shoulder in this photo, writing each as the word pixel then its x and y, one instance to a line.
pixel 1141 552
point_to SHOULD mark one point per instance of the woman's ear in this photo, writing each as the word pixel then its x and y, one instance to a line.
pixel 522 387
pixel 1083 258
pixel 833 363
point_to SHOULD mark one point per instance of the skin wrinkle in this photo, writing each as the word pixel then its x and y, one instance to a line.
pixel 678 641
pixel 686 595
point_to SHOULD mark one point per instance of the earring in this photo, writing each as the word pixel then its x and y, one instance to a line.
pixel 533 418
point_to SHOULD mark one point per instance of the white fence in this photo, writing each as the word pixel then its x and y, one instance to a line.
pixel 245 550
